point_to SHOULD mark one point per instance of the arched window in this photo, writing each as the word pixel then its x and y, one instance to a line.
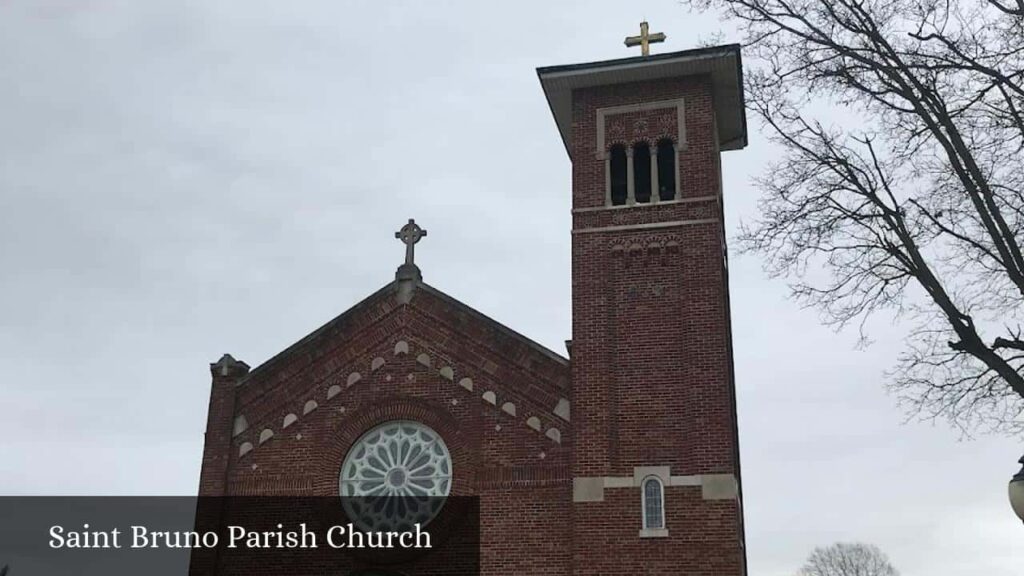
pixel 641 172
pixel 653 504
pixel 617 174
pixel 666 170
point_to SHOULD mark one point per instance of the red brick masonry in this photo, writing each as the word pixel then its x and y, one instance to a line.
pixel 649 383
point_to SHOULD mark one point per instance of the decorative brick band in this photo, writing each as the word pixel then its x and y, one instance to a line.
pixel 603 113
pixel 522 476
pixel 560 410
pixel 402 347
pixel 650 226
pixel 272 485
pixel 587 209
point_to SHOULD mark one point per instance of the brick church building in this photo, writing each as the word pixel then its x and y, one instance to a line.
pixel 619 456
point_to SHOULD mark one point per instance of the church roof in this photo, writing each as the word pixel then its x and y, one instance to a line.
pixel 349 321
pixel 494 324
pixel 722 63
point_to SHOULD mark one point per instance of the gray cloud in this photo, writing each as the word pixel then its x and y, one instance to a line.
pixel 183 179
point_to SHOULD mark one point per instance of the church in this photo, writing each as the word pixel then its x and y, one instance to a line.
pixel 617 455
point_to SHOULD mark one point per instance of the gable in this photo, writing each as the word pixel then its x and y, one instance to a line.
pixel 381 314
pixel 421 348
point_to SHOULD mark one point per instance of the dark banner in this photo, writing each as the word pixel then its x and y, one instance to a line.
pixel 158 536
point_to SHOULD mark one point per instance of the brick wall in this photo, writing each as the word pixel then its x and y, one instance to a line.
pixel 520 473
pixel 650 382
pixel 651 354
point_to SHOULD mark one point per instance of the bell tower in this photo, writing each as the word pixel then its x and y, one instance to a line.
pixel 656 473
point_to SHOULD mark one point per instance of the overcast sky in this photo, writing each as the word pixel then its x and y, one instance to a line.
pixel 183 179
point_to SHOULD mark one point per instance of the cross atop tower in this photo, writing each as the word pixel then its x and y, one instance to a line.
pixel 645 39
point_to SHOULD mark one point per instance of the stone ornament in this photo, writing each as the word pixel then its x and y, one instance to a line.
pixel 446 372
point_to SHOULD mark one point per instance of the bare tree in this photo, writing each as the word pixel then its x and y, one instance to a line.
pixel 901 186
pixel 848 560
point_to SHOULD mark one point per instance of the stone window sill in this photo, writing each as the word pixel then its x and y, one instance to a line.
pixel 654 533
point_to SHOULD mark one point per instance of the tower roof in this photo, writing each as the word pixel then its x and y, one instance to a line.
pixel 722 63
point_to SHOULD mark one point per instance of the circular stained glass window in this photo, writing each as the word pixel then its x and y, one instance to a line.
pixel 396 475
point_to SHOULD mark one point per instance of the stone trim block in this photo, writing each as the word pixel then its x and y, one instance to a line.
pixel 719 487
pixel 588 489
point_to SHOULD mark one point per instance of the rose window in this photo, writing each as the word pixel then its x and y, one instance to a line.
pixel 398 474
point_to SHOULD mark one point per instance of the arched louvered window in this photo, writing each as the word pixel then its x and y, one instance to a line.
pixel 666 170
pixel 617 174
pixel 642 172
pixel 653 504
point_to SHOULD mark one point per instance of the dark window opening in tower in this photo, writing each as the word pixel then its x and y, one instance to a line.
pixel 666 170
pixel 617 166
pixel 642 172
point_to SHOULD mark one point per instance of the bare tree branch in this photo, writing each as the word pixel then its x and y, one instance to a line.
pixel 844 559
pixel 917 205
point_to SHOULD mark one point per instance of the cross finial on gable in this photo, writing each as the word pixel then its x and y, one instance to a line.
pixel 410 234
pixel 645 39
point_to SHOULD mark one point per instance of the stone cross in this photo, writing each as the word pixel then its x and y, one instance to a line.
pixel 410 234
pixel 645 39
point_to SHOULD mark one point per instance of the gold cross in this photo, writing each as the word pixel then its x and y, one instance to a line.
pixel 644 40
